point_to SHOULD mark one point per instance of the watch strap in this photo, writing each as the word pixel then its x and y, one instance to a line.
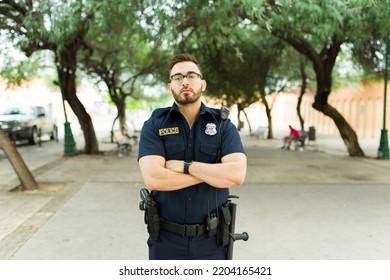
pixel 186 167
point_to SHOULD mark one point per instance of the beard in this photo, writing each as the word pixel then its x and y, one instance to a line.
pixel 188 98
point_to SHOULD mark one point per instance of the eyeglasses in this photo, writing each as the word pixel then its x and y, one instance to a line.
pixel 191 77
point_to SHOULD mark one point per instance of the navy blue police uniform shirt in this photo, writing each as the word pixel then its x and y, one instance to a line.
pixel 166 133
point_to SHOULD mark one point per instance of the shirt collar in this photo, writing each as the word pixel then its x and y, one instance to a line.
pixel 203 108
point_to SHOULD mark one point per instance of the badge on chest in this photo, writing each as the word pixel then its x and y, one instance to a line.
pixel 211 129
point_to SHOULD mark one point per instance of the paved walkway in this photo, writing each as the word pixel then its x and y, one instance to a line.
pixel 315 204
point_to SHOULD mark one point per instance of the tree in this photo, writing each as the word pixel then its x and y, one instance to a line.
pixel 98 33
pixel 25 176
pixel 122 67
pixel 239 59
pixel 14 72
pixel 59 27
pixel 296 22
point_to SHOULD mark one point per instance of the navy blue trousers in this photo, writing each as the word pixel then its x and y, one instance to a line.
pixel 173 246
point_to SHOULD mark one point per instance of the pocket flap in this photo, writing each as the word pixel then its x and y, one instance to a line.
pixel 209 149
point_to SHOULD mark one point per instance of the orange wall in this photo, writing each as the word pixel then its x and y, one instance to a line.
pixel 361 106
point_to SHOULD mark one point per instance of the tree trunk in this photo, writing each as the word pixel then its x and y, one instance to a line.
pixel 240 108
pixel 302 92
pixel 25 176
pixel 121 107
pixel 249 123
pixel 121 115
pixel 347 133
pixel 269 116
pixel 323 64
pixel 67 60
pixel 324 84
pixel 270 129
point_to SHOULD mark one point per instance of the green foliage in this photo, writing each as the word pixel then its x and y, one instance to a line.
pixel 121 54
pixel 317 18
pixel 348 73
pixel 318 28
pixel 370 56
pixel 16 68
pixel 128 43
pixel 16 74
pixel 236 55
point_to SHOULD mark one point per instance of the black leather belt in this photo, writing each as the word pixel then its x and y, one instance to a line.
pixel 183 229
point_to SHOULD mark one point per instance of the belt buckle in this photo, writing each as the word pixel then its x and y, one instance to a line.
pixel 191 230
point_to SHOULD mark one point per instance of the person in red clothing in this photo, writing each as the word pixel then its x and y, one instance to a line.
pixel 294 134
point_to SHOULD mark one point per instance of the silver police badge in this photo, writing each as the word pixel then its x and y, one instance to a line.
pixel 211 129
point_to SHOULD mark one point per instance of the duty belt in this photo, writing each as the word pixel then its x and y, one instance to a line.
pixel 183 229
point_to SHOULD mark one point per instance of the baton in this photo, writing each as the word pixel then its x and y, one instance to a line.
pixel 234 236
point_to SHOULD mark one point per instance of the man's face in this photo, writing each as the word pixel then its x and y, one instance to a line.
pixel 186 91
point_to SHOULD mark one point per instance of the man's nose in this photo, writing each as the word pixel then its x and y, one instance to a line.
pixel 185 80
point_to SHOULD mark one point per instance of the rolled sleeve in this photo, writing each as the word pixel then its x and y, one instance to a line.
pixel 231 140
pixel 150 142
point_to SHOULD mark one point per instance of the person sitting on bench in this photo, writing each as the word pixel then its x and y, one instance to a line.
pixel 294 134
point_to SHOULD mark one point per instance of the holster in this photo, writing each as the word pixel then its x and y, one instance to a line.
pixel 153 222
pixel 151 217
pixel 224 225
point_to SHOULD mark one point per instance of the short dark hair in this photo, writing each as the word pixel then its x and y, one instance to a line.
pixel 182 57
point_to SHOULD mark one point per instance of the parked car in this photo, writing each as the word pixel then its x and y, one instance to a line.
pixel 27 122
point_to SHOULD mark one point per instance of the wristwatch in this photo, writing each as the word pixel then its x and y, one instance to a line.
pixel 186 167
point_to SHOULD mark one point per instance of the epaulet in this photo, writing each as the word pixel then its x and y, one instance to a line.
pixel 215 112
pixel 160 112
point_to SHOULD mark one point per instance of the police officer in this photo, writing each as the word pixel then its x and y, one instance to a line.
pixel 189 156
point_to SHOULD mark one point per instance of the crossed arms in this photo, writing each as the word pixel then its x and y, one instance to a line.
pixel 162 175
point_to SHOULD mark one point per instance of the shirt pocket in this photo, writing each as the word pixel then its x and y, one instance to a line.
pixel 175 150
pixel 208 153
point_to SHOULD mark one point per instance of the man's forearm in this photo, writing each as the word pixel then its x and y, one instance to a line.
pixel 168 180
pixel 158 177
pixel 221 175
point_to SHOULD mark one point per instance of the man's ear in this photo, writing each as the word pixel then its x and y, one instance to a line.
pixel 169 87
pixel 204 85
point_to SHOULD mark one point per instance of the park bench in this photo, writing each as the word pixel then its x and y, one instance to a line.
pixel 299 144
pixel 310 135
pixel 124 142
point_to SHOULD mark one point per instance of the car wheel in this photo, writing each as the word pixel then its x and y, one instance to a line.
pixel 54 133
pixel 34 137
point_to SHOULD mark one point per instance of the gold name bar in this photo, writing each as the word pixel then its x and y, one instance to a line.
pixel 168 131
